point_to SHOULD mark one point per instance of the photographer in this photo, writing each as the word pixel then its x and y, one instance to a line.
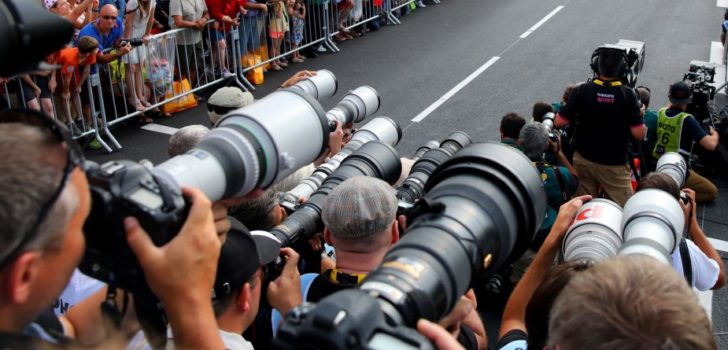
pixel 533 293
pixel 628 302
pixel 361 226
pixel 606 113
pixel 43 217
pixel 696 259
pixel 510 126
pixel 677 131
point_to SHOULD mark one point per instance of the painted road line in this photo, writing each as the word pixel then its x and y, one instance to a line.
pixel 454 90
pixel 719 244
pixel 716 56
pixel 160 128
pixel 542 21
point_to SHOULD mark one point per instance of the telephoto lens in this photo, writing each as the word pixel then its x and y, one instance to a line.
pixel 486 202
pixel 412 187
pixel 320 86
pixel 354 107
pixel 253 147
pixel 424 148
pixel 596 233
pixel 381 129
pixel 673 164
pixel 374 159
pixel 652 224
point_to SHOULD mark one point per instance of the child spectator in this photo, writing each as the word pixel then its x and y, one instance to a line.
pixel 139 20
pixel 225 14
pixel 297 19
pixel 277 31
pixel 70 59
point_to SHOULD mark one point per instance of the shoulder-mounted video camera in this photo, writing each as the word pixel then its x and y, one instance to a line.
pixel 623 60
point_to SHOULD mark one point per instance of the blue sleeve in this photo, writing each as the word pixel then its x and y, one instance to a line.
pixel 692 129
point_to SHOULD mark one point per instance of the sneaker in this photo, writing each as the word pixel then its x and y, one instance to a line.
pixel 75 130
pixel 94 144
pixel 420 4
pixel 226 73
pixel 320 49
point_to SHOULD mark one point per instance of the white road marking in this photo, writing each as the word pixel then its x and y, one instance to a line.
pixel 542 21
pixel 454 90
pixel 160 128
pixel 719 244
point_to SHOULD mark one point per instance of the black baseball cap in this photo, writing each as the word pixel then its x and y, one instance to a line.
pixel 679 93
pixel 241 255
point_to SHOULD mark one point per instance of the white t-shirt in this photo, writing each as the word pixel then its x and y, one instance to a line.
pixel 705 269
pixel 139 23
pixel 231 341
pixel 78 289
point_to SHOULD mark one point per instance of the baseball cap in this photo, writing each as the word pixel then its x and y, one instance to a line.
pixel 359 207
pixel 241 255
pixel 679 93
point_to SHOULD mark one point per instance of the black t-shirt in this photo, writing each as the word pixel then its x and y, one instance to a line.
pixel 603 115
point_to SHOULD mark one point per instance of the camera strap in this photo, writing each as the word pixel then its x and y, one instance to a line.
pixel 345 278
pixel 686 262
pixel 110 309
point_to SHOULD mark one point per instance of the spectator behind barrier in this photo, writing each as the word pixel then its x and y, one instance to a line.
pixel 677 131
pixel 510 127
pixel 628 302
pixel 705 269
pixel 606 115
pixel 42 228
pixel 189 42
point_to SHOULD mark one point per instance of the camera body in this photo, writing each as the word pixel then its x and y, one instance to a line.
pixel 134 42
pixel 699 77
pixel 120 189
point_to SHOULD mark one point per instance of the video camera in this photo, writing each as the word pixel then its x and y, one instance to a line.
pixel 631 56
pixel 487 200
pixel 699 77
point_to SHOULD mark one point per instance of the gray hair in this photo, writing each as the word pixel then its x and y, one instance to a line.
pixel 28 178
pixel 257 213
pixel 359 209
pixel 185 139
pixel 533 140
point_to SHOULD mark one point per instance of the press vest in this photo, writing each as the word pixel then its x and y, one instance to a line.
pixel 669 131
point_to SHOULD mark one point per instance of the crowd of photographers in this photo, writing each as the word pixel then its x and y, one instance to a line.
pixel 381 245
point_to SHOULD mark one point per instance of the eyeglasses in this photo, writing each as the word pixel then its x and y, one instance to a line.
pixel 109 17
pixel 219 110
pixel 74 158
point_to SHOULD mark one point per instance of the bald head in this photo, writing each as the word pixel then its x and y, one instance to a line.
pixel 107 18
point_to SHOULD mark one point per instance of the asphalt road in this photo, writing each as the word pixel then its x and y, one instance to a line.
pixel 430 60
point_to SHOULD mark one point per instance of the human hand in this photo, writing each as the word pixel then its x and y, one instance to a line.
pixel 36 91
pixel 336 139
pixel 284 293
pixel 460 311
pixel 315 243
pixel 263 8
pixel 124 49
pixel 222 221
pixel 438 335
pixel 297 77
pixel 566 216
pixel 77 90
pixel 145 38
pixel 688 209
pixel 190 256
pixel 66 95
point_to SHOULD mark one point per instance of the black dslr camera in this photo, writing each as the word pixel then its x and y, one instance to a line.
pixel 134 42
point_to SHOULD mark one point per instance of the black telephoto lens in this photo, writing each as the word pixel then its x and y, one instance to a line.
pixel 374 159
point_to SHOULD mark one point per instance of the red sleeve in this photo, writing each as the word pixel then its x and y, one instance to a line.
pixel 215 8
pixel 242 3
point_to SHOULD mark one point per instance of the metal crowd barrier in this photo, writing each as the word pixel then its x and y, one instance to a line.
pixel 113 94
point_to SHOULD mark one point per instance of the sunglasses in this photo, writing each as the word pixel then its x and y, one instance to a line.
pixel 74 158
pixel 219 110
pixel 109 17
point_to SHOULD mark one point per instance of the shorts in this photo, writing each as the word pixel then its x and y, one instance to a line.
pixel 136 56
pixel 276 35
pixel 217 35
